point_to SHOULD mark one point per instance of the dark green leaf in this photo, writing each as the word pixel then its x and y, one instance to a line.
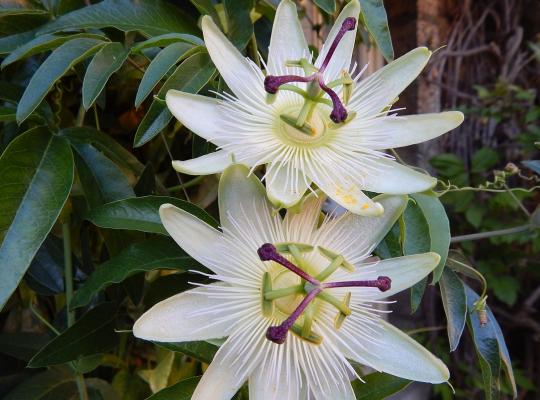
pixel 484 159
pixel 150 17
pixel 167 39
pixel 378 386
pixel 190 76
pixel 92 334
pixel 41 386
pixel 46 272
pixel 146 184
pixel 104 143
pixel 11 42
pixel 105 63
pixel 182 390
pixel 101 180
pixel 33 166
pixel 206 7
pixel 455 305
pixel 439 227
pixel 160 65
pixel 52 69
pixel 376 21
pixel 7 114
pixel 139 257
pixel 44 43
pixel 240 28
pixel 22 345
pixel 167 286
pixel 7 11
pixel 142 214
pixel 328 6
pixel 203 351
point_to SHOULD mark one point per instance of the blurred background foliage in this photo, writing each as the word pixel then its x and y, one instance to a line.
pixel 86 143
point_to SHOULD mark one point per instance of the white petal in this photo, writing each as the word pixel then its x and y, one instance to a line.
pixel 341 59
pixel 182 318
pixel 381 88
pixel 393 178
pixel 287 41
pixel 281 191
pixel 403 271
pixel 197 238
pixel 391 132
pixel 239 74
pixel 221 380
pixel 347 195
pixel 212 163
pixel 354 236
pixel 398 354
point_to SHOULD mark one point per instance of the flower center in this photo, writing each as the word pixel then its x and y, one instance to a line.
pixel 298 297
pixel 312 132
pixel 317 86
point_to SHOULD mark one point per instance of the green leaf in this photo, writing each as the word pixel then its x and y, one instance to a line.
pixel 455 305
pixel 203 351
pixel 33 166
pixel 7 114
pixel 182 390
pixel 42 385
pixel 533 165
pixel 160 65
pixel 11 42
pixel 206 7
pixel 104 143
pixel 439 227
pixel 44 43
pixel 150 17
pixel 101 180
pixel 105 63
pixel 484 159
pixel 190 76
pixel 487 347
pixel 92 334
pixel 52 69
pixel 139 257
pixel 378 386
pixel 142 214
pixel 240 28
pixel 376 21
pixel 167 39
pixel 328 6
pixel 22 345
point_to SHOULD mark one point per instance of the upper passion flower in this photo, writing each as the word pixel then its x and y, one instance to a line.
pixel 296 298
pixel 310 121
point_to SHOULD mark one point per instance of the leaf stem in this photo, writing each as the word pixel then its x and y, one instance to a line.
pixel 81 386
pixel 68 271
pixel 43 320
pixel 188 184
pixel 489 234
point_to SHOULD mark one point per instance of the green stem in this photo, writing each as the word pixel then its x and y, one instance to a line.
pixel 81 386
pixel 43 320
pixel 188 184
pixel 485 235
pixel 254 50
pixel 68 271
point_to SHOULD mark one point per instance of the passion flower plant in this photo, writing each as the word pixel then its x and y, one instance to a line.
pixel 297 297
pixel 310 121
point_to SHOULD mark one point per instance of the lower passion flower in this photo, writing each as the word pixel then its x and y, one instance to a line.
pixel 296 299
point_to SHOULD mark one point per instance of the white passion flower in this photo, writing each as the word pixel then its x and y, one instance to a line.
pixel 310 122
pixel 296 297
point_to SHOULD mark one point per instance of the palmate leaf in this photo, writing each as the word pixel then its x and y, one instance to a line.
pixel 32 167
pixel 328 6
pixel 455 305
pixel 378 386
pixel 165 40
pixel 182 390
pixel 55 383
pixel 92 334
pixel 52 69
pixel 202 350
pixel 156 253
pixel 150 17
pixel 240 28
pixel 376 21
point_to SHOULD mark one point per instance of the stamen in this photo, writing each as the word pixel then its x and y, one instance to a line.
pixel 273 82
pixel 383 283
pixel 348 25
pixel 278 334
pixel 268 252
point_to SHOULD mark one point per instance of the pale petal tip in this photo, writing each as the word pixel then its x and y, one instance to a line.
pixel 436 259
pixel 371 210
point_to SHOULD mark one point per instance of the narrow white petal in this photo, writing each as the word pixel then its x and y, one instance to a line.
pixel 381 88
pixel 182 318
pixel 342 234
pixel 341 59
pixel 212 163
pixel 285 185
pixel 393 178
pixel 392 131
pixel 348 195
pixel 199 114
pixel 403 271
pixel 197 238
pixel 287 41
pixel 398 354
pixel 240 75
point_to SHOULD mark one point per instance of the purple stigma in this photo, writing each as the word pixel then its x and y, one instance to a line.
pixel 273 82
pixel 277 334
pixel 268 252
pixel 383 283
